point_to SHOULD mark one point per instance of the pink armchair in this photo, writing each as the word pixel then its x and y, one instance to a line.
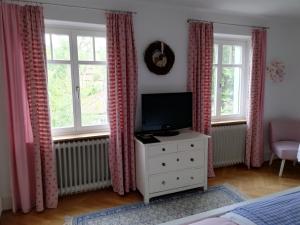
pixel 284 140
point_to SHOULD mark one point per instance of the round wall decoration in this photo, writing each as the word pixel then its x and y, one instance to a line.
pixel 159 58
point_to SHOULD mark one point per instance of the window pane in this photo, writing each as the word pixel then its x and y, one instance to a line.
pixel 48 46
pixel 232 54
pixel 214 91
pixel 100 49
pixel 60 95
pixel 85 48
pixel 61 47
pixel 93 94
pixel 215 54
pixel 230 96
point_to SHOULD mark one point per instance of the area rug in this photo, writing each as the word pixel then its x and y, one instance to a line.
pixel 162 209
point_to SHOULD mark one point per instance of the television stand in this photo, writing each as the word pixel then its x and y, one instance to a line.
pixel 166 133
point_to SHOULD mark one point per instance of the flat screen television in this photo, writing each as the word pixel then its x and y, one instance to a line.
pixel 165 112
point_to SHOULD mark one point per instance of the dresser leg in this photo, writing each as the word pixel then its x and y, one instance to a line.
pixel 205 187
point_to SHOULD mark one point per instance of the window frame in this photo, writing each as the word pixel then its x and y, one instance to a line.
pixel 244 42
pixel 74 62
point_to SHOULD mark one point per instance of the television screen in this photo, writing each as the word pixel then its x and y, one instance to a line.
pixel 166 111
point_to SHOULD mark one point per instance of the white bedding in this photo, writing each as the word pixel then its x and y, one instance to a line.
pixel 227 219
pixel 240 220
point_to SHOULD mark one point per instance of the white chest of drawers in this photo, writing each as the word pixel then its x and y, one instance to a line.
pixel 174 164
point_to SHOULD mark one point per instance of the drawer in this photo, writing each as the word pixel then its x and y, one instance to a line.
pixel 191 145
pixel 162 182
pixel 193 176
pixel 192 159
pixel 176 161
pixel 162 149
pixel 165 163
pixel 176 179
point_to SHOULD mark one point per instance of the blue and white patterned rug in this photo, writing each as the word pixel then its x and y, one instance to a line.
pixel 162 209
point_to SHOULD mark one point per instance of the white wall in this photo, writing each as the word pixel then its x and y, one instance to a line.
pixel 282 99
pixel 168 23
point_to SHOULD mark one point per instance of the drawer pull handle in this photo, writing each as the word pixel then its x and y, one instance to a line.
pixel 163 149
pixel 177 178
pixel 192 145
pixel 192 178
pixel 163 164
pixel 177 159
pixel 163 182
pixel 192 159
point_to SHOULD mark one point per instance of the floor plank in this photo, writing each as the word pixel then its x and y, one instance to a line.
pixel 254 183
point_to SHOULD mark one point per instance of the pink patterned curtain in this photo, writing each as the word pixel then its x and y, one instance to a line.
pixel 33 175
pixel 200 53
pixel 254 139
pixel 122 93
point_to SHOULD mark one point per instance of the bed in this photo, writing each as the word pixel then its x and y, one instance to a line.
pixel 281 208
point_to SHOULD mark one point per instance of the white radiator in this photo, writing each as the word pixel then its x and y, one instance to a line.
pixel 228 144
pixel 82 165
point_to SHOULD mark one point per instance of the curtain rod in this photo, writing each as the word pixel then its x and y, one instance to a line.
pixel 232 24
pixel 70 6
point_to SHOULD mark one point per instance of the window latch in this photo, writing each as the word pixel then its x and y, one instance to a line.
pixel 78 92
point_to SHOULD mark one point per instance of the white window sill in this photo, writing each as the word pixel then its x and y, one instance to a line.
pixel 80 136
pixel 227 123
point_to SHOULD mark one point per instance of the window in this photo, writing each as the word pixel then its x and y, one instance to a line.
pixel 229 78
pixel 77 81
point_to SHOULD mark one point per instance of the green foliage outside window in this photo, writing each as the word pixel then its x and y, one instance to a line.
pixel 92 80
pixel 230 77
pixel 60 95
pixel 227 96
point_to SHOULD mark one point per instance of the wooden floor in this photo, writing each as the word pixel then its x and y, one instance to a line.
pixel 254 183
